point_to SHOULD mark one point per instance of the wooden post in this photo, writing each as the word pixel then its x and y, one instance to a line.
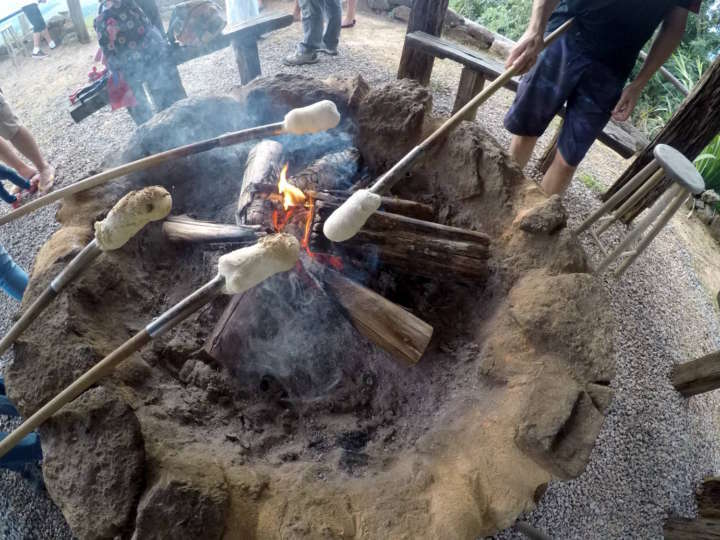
pixel 697 376
pixel 471 84
pixel 426 16
pixel 247 58
pixel 78 21
pixel 690 130
pixel 707 525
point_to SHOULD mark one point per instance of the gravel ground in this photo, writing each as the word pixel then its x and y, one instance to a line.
pixel 654 447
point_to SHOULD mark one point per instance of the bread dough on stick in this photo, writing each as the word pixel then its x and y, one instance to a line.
pixel 346 221
pixel 314 118
pixel 245 268
pixel 130 214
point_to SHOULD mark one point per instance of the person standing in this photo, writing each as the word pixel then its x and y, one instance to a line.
pixel 349 20
pixel 317 36
pixel 32 12
pixel 586 69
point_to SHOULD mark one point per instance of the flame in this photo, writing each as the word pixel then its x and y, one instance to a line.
pixel 292 196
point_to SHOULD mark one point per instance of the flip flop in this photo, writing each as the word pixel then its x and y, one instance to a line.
pixel 348 25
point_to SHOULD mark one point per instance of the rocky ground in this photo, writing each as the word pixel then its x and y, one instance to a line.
pixel 654 446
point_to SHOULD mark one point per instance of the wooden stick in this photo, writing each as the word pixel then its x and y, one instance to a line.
pixel 384 323
pixel 81 261
pixel 185 229
pixel 162 324
pixel 654 180
pixel 104 177
pixel 386 182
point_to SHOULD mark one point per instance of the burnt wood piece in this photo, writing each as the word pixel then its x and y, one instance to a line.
pixel 334 171
pixel 410 246
pixel 622 138
pixel 707 525
pixel 426 16
pixel 691 128
pixel 387 325
pixel 262 172
pixel 697 376
pixel 384 323
pixel 186 229
pixel 78 21
pixel 404 207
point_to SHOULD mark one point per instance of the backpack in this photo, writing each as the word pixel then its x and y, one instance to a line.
pixel 196 22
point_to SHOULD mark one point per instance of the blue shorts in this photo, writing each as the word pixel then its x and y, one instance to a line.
pixel 564 74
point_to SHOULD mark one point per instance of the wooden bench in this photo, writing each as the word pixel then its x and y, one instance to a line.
pixel 243 38
pixel 624 138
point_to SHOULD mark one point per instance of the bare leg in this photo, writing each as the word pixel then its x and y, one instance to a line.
pixel 350 14
pixel 521 149
pixel 296 12
pixel 27 146
pixel 9 157
pixel 558 177
pixel 36 42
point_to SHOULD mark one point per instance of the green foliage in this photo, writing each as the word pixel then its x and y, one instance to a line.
pixel 506 17
pixel 708 163
pixel 591 182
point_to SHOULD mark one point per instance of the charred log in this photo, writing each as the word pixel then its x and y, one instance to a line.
pixel 261 176
pixel 331 172
pixel 409 245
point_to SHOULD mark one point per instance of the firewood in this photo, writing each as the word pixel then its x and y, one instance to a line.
pixel 386 324
pixel 404 207
pixel 262 171
pixel 410 246
pixel 185 229
pixel 331 172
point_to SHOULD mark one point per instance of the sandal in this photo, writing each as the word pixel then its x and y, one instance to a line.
pixel 18 201
pixel 348 25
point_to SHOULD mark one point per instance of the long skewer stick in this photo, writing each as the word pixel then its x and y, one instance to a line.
pixel 318 117
pixel 139 207
pixel 347 220
pixel 237 272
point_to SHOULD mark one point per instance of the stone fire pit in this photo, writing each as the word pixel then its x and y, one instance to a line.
pixel 510 394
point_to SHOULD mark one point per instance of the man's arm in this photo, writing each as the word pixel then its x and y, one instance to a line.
pixel 667 40
pixel 525 53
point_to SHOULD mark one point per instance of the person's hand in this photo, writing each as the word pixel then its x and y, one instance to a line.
pixel 526 52
pixel 627 103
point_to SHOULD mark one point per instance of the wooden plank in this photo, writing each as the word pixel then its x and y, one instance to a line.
pixel 247 58
pixel 78 21
pixel 426 16
pixel 471 84
pixel 699 529
pixel 697 376
pixel 708 498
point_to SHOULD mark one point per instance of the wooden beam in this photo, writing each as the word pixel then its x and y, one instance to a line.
pixel 426 16
pixel 707 525
pixel 697 376
pixel 690 130
pixel 78 20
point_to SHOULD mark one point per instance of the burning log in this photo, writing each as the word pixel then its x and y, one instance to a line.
pixel 238 272
pixel 409 245
pixel 331 172
pixel 185 229
pixel 261 176
pixel 404 207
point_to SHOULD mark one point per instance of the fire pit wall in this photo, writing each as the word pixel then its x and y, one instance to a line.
pixel 510 394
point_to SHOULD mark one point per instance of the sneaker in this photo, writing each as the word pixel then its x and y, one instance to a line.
pixel 300 59
pixel 39 54
pixel 329 51
pixel 52 45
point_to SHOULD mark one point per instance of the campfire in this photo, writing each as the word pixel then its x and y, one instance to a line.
pixel 424 379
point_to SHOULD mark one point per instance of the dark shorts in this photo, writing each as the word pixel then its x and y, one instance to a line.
pixel 564 74
pixel 32 12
